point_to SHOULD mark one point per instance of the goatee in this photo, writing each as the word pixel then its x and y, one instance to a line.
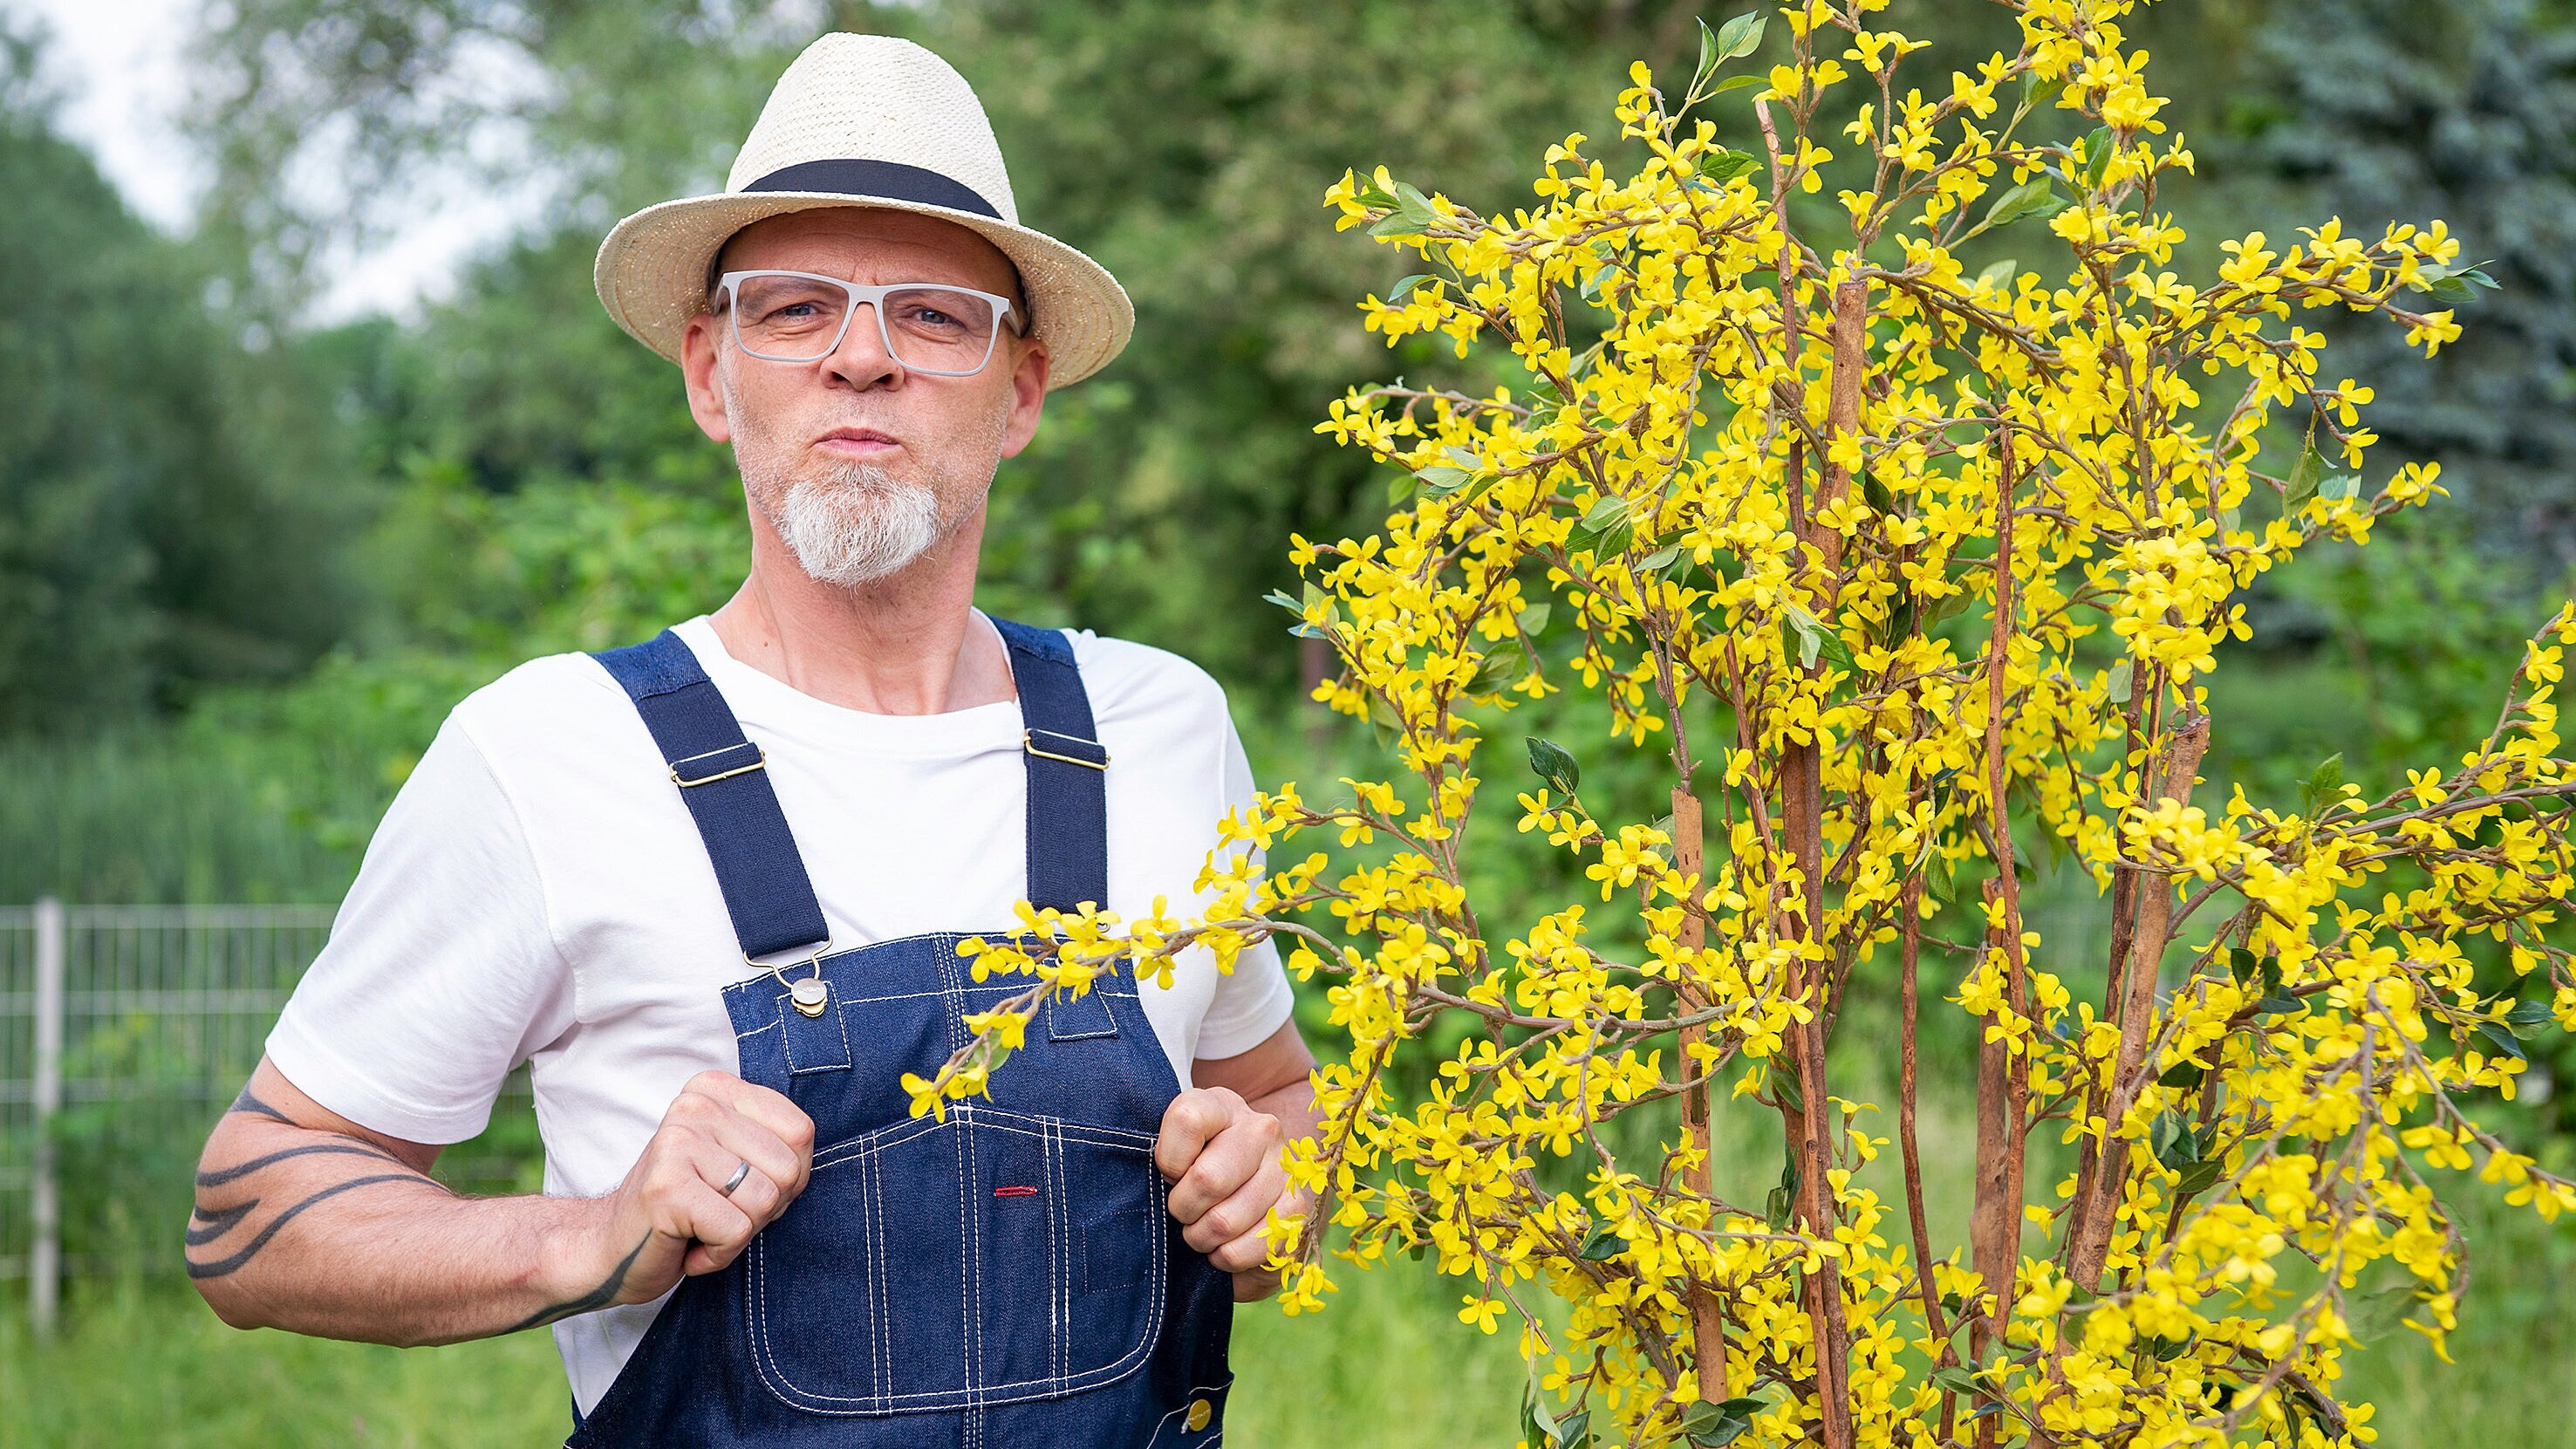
pixel 854 522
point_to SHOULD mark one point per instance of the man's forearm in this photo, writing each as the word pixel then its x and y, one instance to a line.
pixel 327 1233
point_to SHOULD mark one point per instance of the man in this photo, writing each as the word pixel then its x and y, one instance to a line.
pixel 711 888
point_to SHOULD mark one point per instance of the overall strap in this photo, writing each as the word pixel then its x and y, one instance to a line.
pixel 724 779
pixel 1068 813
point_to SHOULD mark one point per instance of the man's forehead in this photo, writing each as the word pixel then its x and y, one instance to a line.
pixel 851 241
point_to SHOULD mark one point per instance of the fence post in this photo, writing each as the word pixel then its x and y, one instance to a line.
pixel 44 1279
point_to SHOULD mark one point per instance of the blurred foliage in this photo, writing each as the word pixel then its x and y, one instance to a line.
pixel 2466 110
pixel 168 509
pixel 423 500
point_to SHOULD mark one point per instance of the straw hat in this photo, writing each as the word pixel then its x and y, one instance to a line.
pixel 863 120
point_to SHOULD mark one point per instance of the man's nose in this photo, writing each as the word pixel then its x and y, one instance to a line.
pixel 862 360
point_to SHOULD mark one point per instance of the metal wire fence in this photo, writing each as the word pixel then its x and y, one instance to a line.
pixel 124 1031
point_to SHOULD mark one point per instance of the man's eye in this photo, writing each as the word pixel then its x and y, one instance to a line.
pixel 932 317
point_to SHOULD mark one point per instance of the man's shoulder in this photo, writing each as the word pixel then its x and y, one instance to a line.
pixel 1128 678
pixel 565 698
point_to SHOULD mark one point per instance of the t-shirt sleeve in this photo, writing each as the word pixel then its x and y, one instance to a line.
pixel 1250 1003
pixel 441 973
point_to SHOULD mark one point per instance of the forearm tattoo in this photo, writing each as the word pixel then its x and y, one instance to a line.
pixel 210 1226
pixel 600 1296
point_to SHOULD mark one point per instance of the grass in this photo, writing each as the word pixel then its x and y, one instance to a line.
pixel 146 1366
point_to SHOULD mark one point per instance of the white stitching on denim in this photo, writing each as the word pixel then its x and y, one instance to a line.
pixel 873 1241
pixel 868 1143
pixel 788 1038
pixel 1059 1256
pixel 1084 1130
pixel 775 1379
pixel 965 1251
pixel 1194 1391
pixel 971 990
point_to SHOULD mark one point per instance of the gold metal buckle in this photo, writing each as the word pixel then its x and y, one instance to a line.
pixel 810 994
pixel 1028 742
pixel 760 761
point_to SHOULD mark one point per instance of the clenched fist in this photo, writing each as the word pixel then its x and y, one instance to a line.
pixel 671 1218
pixel 1222 1159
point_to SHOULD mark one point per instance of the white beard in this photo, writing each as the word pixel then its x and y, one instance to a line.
pixel 854 523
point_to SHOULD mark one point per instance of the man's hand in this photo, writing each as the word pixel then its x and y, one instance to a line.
pixel 670 1218
pixel 1222 1159
pixel 309 1222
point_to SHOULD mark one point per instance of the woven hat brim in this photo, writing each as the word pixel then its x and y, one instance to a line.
pixel 651 273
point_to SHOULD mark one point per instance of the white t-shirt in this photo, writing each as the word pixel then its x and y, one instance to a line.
pixel 537 892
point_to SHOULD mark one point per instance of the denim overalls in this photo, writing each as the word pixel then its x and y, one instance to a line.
pixel 1007 1277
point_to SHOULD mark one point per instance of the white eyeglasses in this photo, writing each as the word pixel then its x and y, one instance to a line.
pixel 932 327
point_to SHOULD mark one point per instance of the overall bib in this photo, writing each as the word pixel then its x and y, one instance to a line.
pixel 1007 1277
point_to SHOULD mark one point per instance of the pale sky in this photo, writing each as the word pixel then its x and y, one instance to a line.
pixel 117 63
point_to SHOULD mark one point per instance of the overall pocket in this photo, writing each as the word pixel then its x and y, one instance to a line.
pixel 992 1257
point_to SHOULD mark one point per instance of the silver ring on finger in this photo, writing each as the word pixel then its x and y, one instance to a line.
pixel 735 1181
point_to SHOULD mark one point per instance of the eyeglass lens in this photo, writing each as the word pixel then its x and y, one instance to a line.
pixel 798 319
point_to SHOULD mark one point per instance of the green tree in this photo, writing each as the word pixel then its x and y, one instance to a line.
pixel 2465 108
pixel 164 520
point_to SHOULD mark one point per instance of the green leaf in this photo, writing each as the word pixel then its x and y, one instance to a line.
pixel 1553 765
pixel 1604 511
pixel 1815 641
pixel 1404 287
pixel 1534 618
pixel 1496 670
pixel 1440 478
pixel 1999 275
pixel 2304 475
pixel 1811 635
pixel 2453 283
pixel 2166 1350
pixel 1713 1426
pixel 2037 90
pixel 1412 215
pixel 2097 155
pixel 2171 1137
pixel 1707 55
pixel 1602 1243
pixel 1387 724
pixel 2183 1075
pixel 2198 1176
pixel 1660 559
pixel 1737 83
pixel 1948 606
pixel 1955 1380
pixel 1574 1431
pixel 1941 878
pixel 2340 488
pixel 2502 1040
pixel 1726 164
pixel 1738 37
pixel 2034 197
pixel 2323 787
pixel 2123 680
pixel 2529 1016
pixel 1276 596
pixel 2327 780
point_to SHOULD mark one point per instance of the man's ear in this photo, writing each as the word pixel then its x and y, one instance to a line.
pixel 1028 396
pixel 700 347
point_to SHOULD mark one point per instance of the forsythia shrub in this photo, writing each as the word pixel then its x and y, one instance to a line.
pixel 1951 557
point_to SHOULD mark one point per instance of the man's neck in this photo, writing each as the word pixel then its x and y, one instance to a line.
pixel 908 643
